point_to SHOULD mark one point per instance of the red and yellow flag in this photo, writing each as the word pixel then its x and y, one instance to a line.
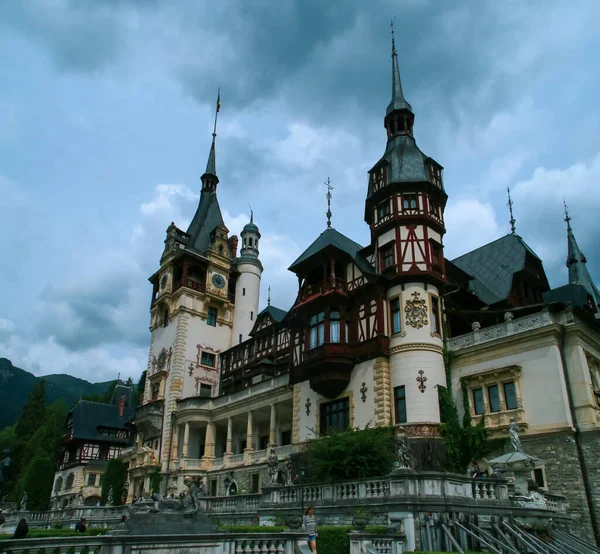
pixel 219 101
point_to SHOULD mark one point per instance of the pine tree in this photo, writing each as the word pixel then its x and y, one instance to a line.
pixel 114 478
pixel 37 482
pixel 30 419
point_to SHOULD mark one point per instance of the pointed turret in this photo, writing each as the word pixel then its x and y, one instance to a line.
pixel 398 102
pixel 209 178
pixel 577 263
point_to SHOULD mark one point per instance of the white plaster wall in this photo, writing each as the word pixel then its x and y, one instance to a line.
pixel 247 304
pixel 434 235
pixel 542 384
pixel 409 354
pixel 364 412
pixel 421 407
pixel 308 422
pixel 386 237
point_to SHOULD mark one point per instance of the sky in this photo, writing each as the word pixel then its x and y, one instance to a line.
pixel 106 115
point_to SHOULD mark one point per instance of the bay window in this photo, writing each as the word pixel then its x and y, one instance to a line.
pixel 334 326
pixel 317 330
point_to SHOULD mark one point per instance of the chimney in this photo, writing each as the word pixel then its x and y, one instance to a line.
pixel 233 245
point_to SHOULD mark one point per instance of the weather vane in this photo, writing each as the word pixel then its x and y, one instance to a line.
pixel 329 189
pixel 567 217
pixel 269 297
pixel 251 214
pixel 392 28
pixel 510 208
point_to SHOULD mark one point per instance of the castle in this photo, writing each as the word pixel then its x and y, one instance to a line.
pixel 371 335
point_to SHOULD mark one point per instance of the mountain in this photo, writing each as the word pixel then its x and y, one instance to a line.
pixel 16 384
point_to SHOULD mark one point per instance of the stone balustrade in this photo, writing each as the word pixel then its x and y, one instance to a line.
pixel 236 503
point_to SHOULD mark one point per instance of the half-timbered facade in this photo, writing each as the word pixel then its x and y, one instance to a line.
pixel 371 335
pixel 95 434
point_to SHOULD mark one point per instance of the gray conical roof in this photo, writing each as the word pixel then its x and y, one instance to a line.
pixel 398 101
pixel 577 264
pixel 211 165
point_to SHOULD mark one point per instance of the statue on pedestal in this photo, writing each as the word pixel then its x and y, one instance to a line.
pixel 193 496
pixel 287 472
pixel 273 463
pixel 515 441
pixel 24 502
pixel 403 452
pixel 80 500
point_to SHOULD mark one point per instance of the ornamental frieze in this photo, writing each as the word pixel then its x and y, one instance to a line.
pixel 416 311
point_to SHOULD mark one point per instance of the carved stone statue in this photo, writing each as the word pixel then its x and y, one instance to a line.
pixel 24 502
pixel 193 496
pixel 403 451
pixel 110 501
pixel 475 326
pixel 515 441
pixel 273 463
pixel 80 500
pixel 508 316
pixel 287 472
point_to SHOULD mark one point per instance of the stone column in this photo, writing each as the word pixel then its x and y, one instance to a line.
pixel 228 449
pixel 272 426
pixel 186 440
pixel 249 437
pixel 209 446
pixel 175 444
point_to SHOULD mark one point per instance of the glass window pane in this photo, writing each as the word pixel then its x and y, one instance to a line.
pixel 313 337
pixel 313 320
pixel 494 398
pixel 334 331
pixel 321 334
pixel 334 315
pixel 478 401
pixel 396 322
pixel 320 316
pixel 347 334
pixel 510 396
pixel 400 397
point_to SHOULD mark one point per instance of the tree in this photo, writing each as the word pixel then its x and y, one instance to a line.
pixel 351 454
pixel 139 392
pixel 37 482
pixel 46 441
pixel 7 439
pixel 114 477
pixel 31 416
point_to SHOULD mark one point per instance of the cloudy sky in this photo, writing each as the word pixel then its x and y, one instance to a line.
pixel 106 111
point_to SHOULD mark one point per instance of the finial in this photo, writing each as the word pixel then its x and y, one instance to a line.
pixel 567 216
pixel 269 297
pixel 393 40
pixel 329 189
pixel 217 112
pixel 510 208
pixel 251 214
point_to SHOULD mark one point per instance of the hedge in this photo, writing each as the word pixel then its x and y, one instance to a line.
pixel 43 533
pixel 252 529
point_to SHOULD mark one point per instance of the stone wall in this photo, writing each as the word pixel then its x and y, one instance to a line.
pixel 563 476
pixel 590 446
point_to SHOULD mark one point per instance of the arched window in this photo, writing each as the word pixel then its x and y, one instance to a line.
pixel 166 317
pixel 220 249
pixel 250 242
pixel 155 391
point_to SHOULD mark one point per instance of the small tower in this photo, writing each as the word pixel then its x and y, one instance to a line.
pixel 247 290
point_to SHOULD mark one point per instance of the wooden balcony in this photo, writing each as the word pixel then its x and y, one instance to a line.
pixel 328 369
pixel 195 285
pixel 322 287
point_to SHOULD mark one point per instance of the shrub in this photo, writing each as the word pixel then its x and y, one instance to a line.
pixel 333 540
pixel 351 454
pixel 252 529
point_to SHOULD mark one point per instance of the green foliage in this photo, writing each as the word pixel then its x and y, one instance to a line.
pixel 37 482
pixel 71 550
pixel 139 390
pixel 351 454
pixel 7 439
pixel 376 529
pixel 85 550
pixel 115 476
pixel 41 551
pixel 46 441
pixel 334 540
pixel 252 529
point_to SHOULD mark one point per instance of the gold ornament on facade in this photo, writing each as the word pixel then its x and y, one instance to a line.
pixel 416 311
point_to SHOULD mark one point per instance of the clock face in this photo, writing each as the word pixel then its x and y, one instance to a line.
pixel 218 280
pixel 163 282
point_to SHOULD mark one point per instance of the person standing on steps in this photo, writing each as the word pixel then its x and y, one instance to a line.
pixel 309 526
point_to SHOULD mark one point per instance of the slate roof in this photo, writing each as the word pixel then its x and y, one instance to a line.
pixel 332 238
pixel 206 219
pixel 575 294
pixel 493 266
pixel 398 102
pixel 405 161
pixel 89 417
pixel 276 314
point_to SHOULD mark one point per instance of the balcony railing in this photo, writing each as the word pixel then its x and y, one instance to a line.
pixel 195 285
pixel 322 287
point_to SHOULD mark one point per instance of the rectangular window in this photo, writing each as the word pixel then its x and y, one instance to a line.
pixel 208 359
pixel 212 317
pixel 395 314
pixel 510 395
pixel 205 390
pixel 335 416
pixel 255 483
pixel 286 438
pixel 400 404
pixel 317 330
pixel 538 477
pixel 242 446
pixel 409 202
pixel 101 481
pixel 347 334
pixel 263 442
pixel 240 338
pixel 478 404
pixel 334 326
pixel 436 254
pixel 155 391
pixel 383 209
pixel 91 482
pixel 435 315
pixel 243 292
pixel 494 398
pixel 387 256
pixel 434 208
pixel 251 316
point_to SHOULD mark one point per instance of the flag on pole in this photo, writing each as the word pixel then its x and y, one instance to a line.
pixel 219 101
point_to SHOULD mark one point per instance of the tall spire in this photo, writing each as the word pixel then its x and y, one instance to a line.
pixel 512 220
pixel 576 262
pixel 398 101
pixel 328 214
pixel 210 179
